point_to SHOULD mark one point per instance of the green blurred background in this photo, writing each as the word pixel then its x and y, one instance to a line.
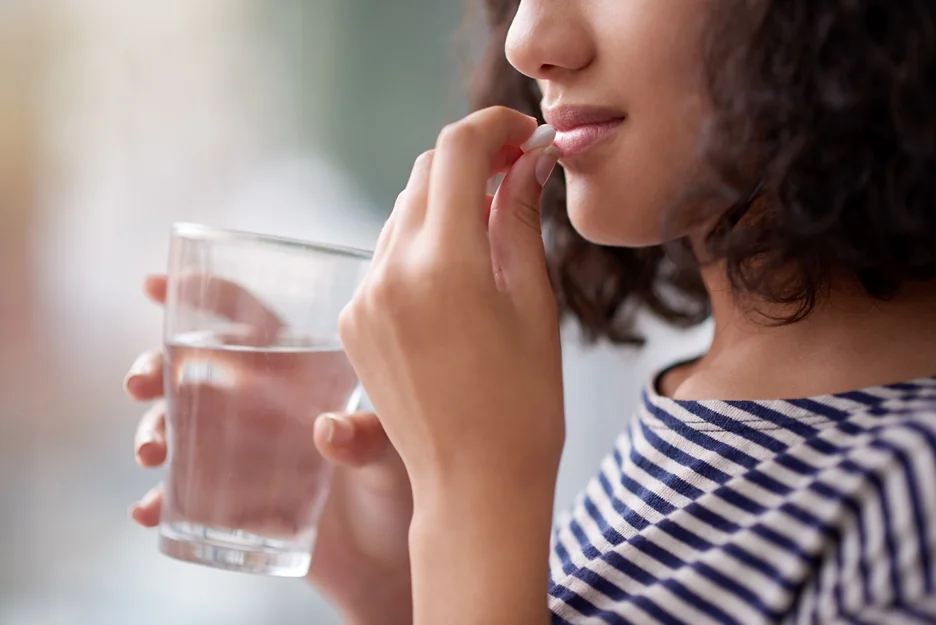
pixel 390 78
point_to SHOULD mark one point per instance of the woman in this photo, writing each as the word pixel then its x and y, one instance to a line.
pixel 787 147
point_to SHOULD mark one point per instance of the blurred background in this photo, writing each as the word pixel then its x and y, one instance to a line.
pixel 295 117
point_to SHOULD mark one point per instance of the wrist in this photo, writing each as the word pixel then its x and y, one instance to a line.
pixel 484 496
pixel 478 473
pixel 480 553
pixel 505 523
pixel 481 500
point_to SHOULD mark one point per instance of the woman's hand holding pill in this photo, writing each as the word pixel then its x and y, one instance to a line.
pixel 455 336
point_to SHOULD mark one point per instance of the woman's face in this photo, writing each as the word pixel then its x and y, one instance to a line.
pixel 622 82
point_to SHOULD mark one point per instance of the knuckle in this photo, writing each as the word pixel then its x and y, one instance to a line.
pixel 402 289
pixel 446 135
pixel 442 276
pixel 347 321
pixel 401 198
pixel 424 160
pixel 386 289
pixel 419 175
pixel 499 114
pixel 527 212
pixel 499 110
pixel 458 135
pixel 390 305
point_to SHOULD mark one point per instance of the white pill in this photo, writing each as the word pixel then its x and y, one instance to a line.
pixel 542 136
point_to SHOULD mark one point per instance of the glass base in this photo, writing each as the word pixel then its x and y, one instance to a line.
pixel 233 550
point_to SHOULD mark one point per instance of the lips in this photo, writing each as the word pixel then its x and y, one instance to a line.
pixel 579 128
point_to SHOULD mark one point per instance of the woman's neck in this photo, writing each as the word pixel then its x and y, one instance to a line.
pixel 849 341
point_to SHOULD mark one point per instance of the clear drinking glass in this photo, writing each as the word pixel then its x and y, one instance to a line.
pixel 252 358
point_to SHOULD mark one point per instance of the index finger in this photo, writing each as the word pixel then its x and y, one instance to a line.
pixel 229 300
pixel 462 165
pixel 216 296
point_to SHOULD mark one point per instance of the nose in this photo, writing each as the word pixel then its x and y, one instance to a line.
pixel 548 38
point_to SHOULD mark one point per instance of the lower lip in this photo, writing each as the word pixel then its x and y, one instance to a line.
pixel 582 138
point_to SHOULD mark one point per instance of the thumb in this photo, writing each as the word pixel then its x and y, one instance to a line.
pixel 352 439
pixel 515 226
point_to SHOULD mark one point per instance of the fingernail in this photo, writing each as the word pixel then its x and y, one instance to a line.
pixel 542 136
pixel 142 366
pixel 340 432
pixel 147 450
pixel 546 163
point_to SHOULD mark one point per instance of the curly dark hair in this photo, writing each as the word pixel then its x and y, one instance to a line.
pixel 823 146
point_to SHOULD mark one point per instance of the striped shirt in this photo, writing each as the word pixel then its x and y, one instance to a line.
pixel 819 510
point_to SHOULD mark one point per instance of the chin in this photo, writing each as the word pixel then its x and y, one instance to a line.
pixel 604 220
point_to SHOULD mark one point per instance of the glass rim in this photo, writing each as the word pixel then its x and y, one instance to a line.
pixel 195 231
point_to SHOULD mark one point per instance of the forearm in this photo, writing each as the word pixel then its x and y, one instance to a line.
pixel 480 555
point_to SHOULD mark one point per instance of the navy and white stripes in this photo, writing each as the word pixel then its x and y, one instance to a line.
pixel 819 510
